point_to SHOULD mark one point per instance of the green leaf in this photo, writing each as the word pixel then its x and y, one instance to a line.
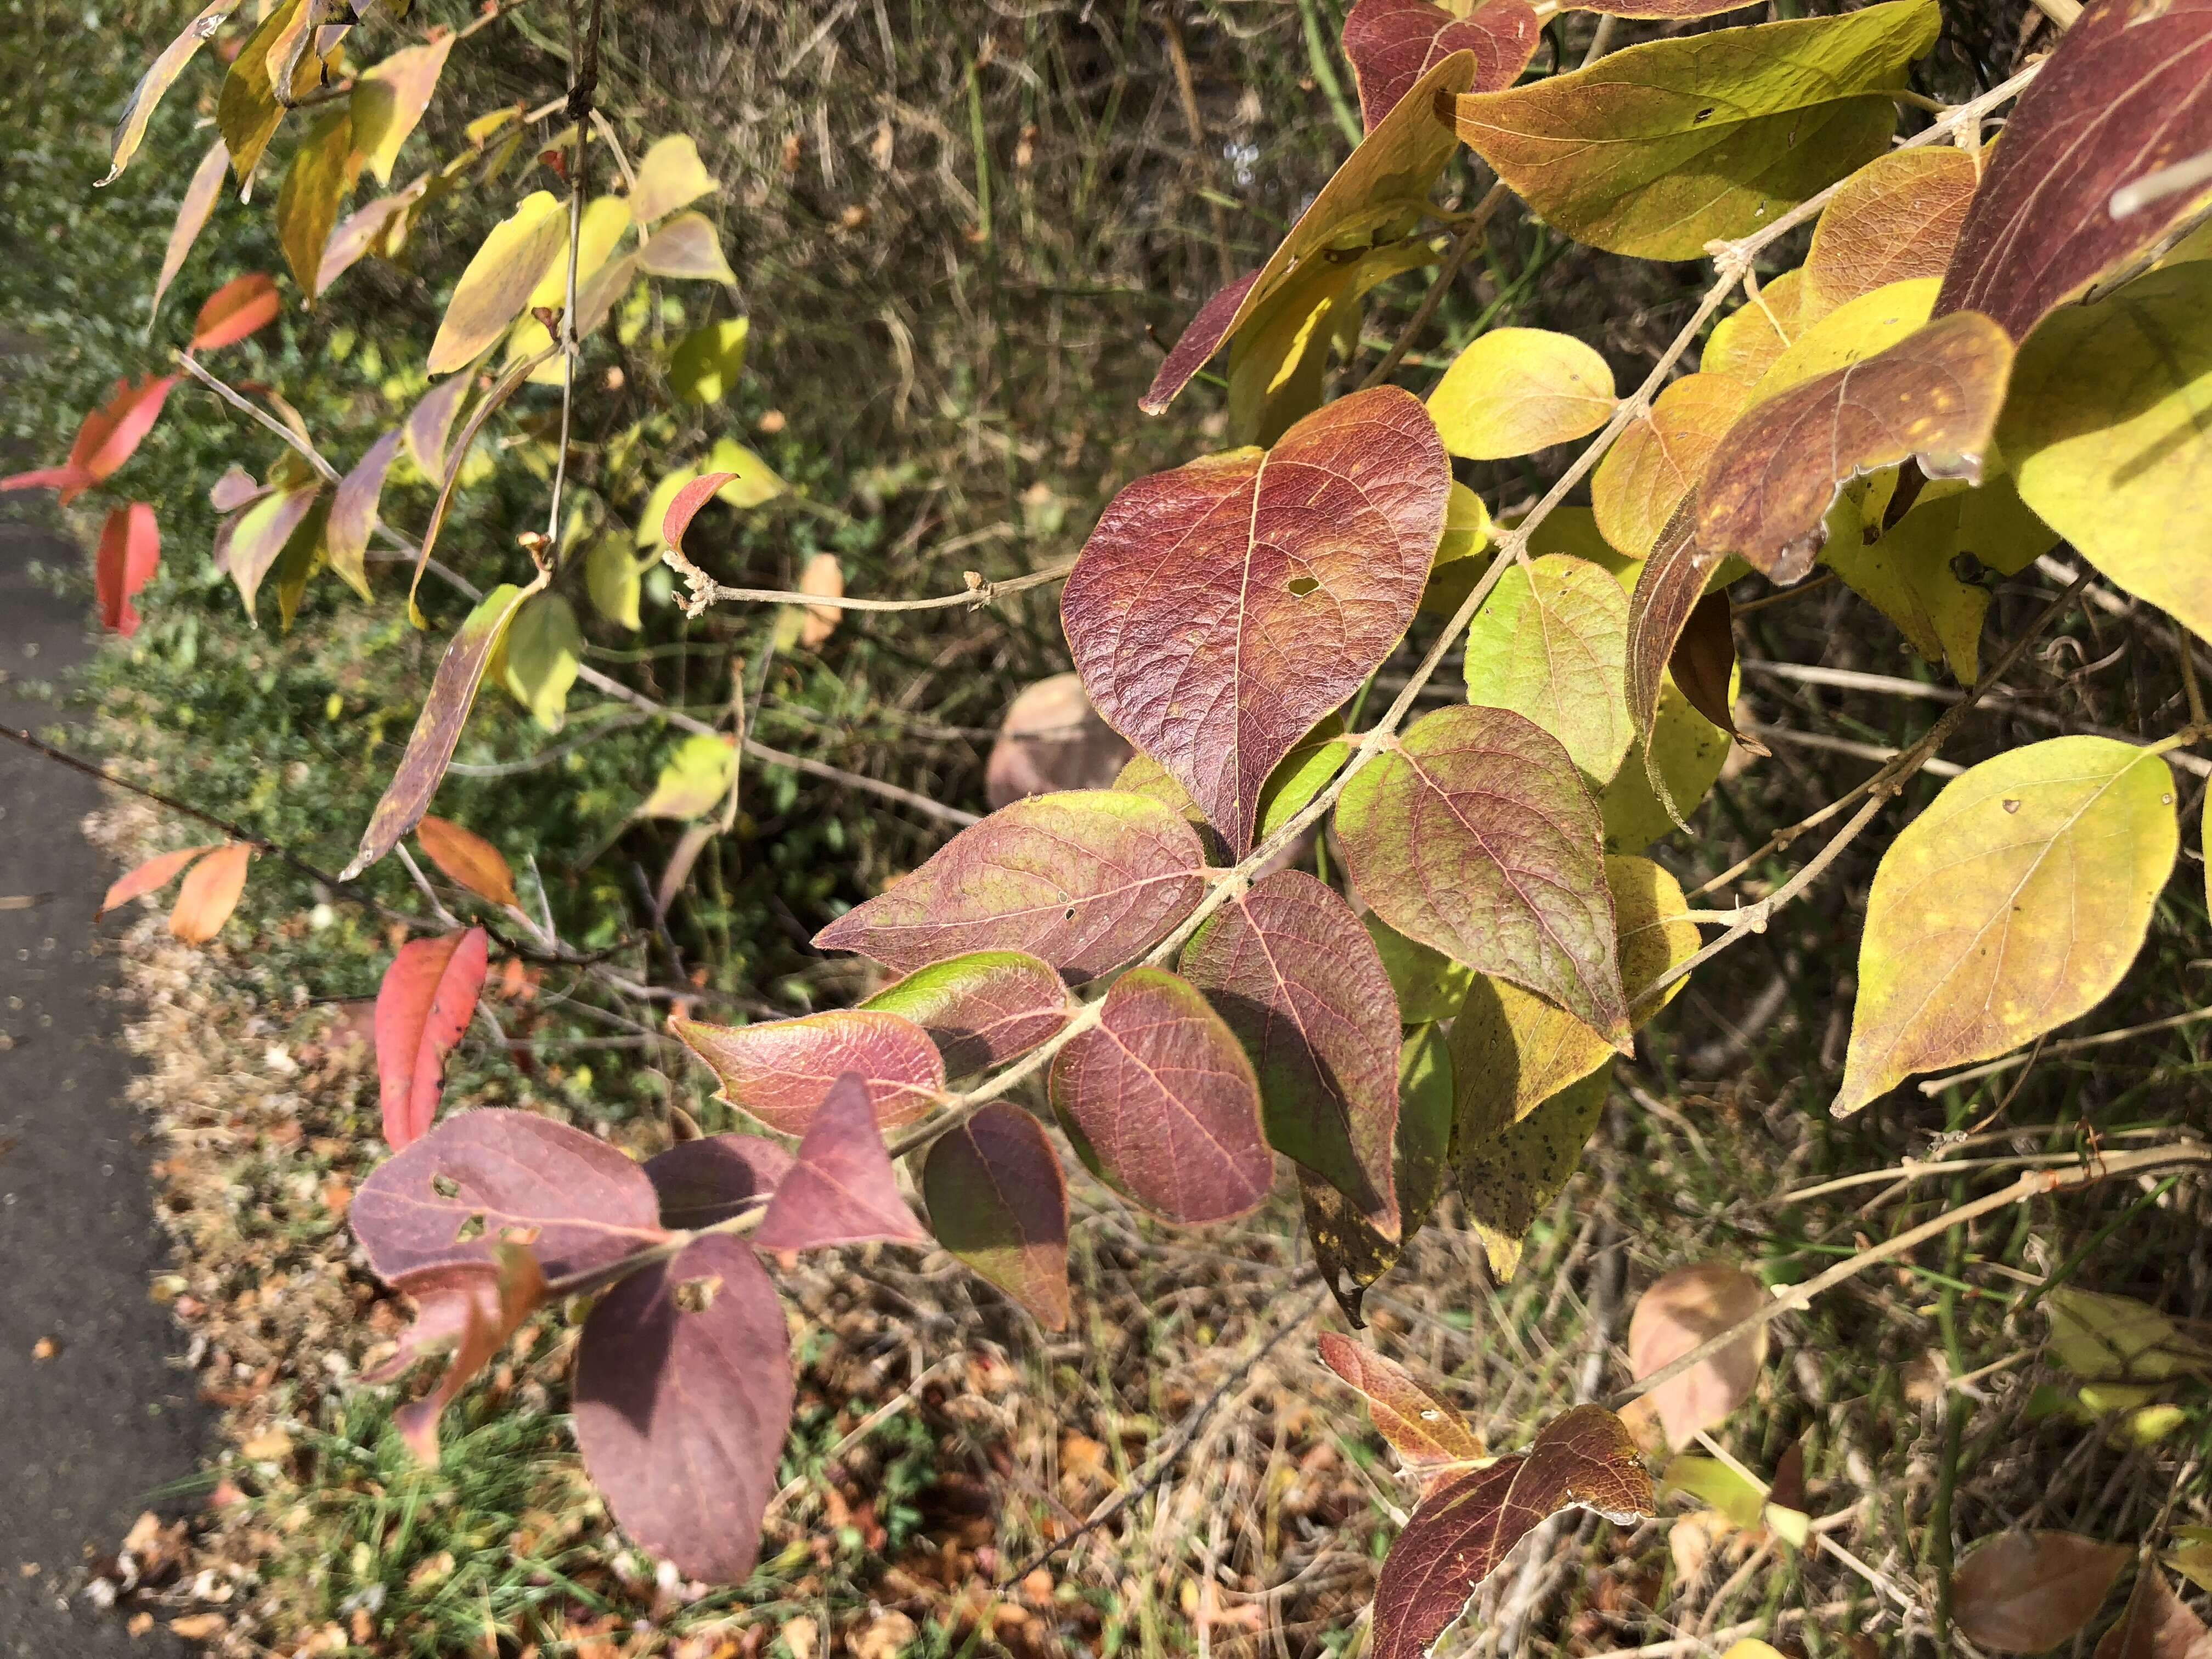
pixel 752 480
pixel 2107 432
pixel 694 779
pixel 543 649
pixel 1687 751
pixel 2012 905
pixel 982 1009
pixel 1551 643
pixel 513 259
pixel 1658 150
pixel 307 205
pixel 1716 1485
pixel 1516 391
pixel 707 362
pixel 1429 985
pixel 613 577
pixel 247 110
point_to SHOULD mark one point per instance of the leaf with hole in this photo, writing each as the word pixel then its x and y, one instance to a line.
pixel 2026 1592
pixel 1657 150
pixel 2012 905
pixel 1219 610
pixel 982 1010
pixel 998 1201
pixel 1087 880
pixel 841 1189
pixel 1161 1102
pixel 1425 1429
pixel 423 1007
pixel 1550 644
pixel 780 1071
pixel 1391 44
pixel 1516 391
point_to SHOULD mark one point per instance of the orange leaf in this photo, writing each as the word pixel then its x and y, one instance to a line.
pixel 156 872
pixel 130 552
pixel 425 1003
pixel 685 507
pixel 469 858
pixel 235 310
pixel 210 893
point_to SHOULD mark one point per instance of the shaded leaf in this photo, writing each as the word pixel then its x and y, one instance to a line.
pixel 1659 148
pixel 1088 880
pixel 544 648
pixel 683 1393
pixel 1516 391
pixel 490 1177
pixel 1161 1103
pixel 1896 218
pixel 781 1070
pixel 1685 754
pixel 321 172
pixel 2117 1338
pixel 695 779
pixel 1703 667
pixel 252 544
pixel 1391 44
pixel 998 1201
pixel 841 1189
pixel 489 297
pixel 1219 610
pixel 982 1010
pixel 209 893
pixel 2026 1592
pixel 354 512
pixel 129 554
pixel 429 426
pixel 1425 1429
pixel 707 362
pixel 240 307
pixel 1550 644
pixel 379 227
pixel 1051 737
pixel 670 175
pixel 1511 1177
pixel 161 75
pixel 468 859
pixel 687 246
pixel 192 211
pixel 1657 461
pixel 2013 904
pixel 2156 1625
pixel 2041 230
pixel 1429 985
pixel 1474 835
pixel 1464 1528
pixel 438 728
pixel 246 110
pixel 1303 774
pixel 155 874
pixel 476 1309
pixel 1289 967
pixel 423 1007
pixel 1681 1310
pixel 1668 588
pixel 388 100
pixel 710 1179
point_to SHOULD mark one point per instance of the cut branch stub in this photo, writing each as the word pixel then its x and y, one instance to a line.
pixel 492 1176
pixel 1391 44
pixel 1299 979
pixel 780 1071
pixel 428 998
pixel 982 1009
pixel 1086 880
pixel 712 1179
pixel 998 1199
pixel 1161 1102
pixel 840 1189
pixel 1464 1528
pixel 684 1394
pixel 1474 835
pixel 1219 610
pixel 2127 93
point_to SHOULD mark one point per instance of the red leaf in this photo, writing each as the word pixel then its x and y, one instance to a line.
pixel 781 1070
pixel 684 1393
pixel 157 872
pixel 1296 977
pixel 209 893
pixel 685 507
pixel 1087 881
pixel 1219 610
pixel 489 1176
pixel 104 443
pixel 428 998
pixel 469 858
pixel 475 1308
pixel 1423 1427
pixel 981 1010
pixel 130 553
pixel 1464 1528
pixel 999 1201
pixel 69 480
pixel 841 1189
pixel 1391 44
pixel 239 307
pixel 703 1181
pixel 1161 1101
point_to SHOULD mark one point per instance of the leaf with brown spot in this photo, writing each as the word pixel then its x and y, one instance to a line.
pixel 243 305
pixel 438 728
pixel 781 1070
pixel 2157 1623
pixel 161 75
pixel 155 874
pixel 1658 459
pixel 468 859
pixel 841 1189
pixel 388 100
pixel 998 1201
pixel 1087 880
pixel 1219 610
pixel 2127 93
pixel 2026 1592
pixel 1464 1528
pixel 423 1007
pixel 519 250
pixel 982 1009
pixel 1425 1429
pixel 1896 218
pixel 1474 834
pixel 130 553
pixel 1386 177
pixel 1934 396
pixel 475 1308
pixel 1510 1178
pixel 1291 970
pixel 209 893
pixel 1161 1103
pixel 492 1176
pixel 1391 44
pixel 192 211
pixel 684 1394
pixel 1681 1310
pixel 354 512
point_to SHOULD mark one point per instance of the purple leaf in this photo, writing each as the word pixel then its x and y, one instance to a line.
pixel 999 1201
pixel 703 1181
pixel 841 1189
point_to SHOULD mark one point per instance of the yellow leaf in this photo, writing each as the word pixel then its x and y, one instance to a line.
pixel 499 280
pixel 1745 343
pixel 695 779
pixel 389 99
pixel 307 205
pixel 756 481
pixel 1659 459
pixel 1510 1178
pixel 1849 334
pixel 1689 751
pixel 611 574
pixel 670 176
pixel 1515 391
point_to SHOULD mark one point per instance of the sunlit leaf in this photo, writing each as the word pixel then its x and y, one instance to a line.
pixel 423 1007
pixel 1429 985
pixel 1391 44
pixel 1088 880
pixel 982 1009
pixel 1748 339
pixel 747 480
pixel 998 1201
pixel 1516 391
pixel 2117 1338
pixel 108 437
pixel 713 1179
pixel 192 211
pixel 694 780
pixel 1681 1310
pixel 438 728
pixel 1897 218
pixel 1509 1178
pixel 388 100
pixel 491 295
pixel 670 175
pixel 468 859
pixel 1161 1101
pixel 1686 753
pixel 1425 1429
pixel 706 364
pixel 781 1070
pixel 687 246
pixel 1852 333
pixel 1219 610
pixel 257 539
pixel 1658 459
pixel 155 874
pixel 1464 1528
pixel 1303 774
pixel 1290 969
pixel 2013 904
pixel 321 172
pixel 614 580
pixel 822 577
pixel 209 892
pixel 841 1189
pixel 129 554
pixel 2026 1592
pixel 161 75
pixel 544 648
pixel 1657 150
pixel 1550 644
pixel 243 305
pixel 354 512
pixel 246 110
pixel 1474 834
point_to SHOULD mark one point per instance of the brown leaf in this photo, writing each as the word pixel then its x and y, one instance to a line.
pixel 354 512
pixel 1896 218
pixel 2026 1592
pixel 840 1189
pixel 475 1308
pixel 1050 738
pixel 1682 1309
pixel 2157 1623
pixel 1668 589
pixel 209 893
pixel 1703 662
pixel 468 859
